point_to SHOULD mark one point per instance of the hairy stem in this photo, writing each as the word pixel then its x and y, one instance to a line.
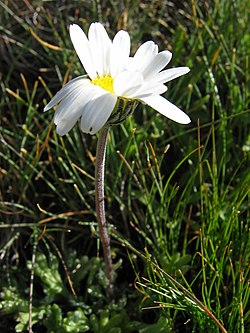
pixel 100 206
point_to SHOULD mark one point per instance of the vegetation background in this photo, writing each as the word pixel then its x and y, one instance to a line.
pixel 177 197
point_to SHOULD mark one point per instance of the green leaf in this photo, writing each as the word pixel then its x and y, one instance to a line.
pixel 48 273
pixel 53 319
pixel 76 321
pixel 163 325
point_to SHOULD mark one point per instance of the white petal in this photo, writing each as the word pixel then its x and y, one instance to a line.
pixel 100 45
pixel 166 108
pixel 81 45
pixel 64 110
pixel 65 90
pixel 149 89
pixel 143 56
pixel 170 74
pixel 120 50
pixel 73 101
pixel 72 108
pixel 97 111
pixel 65 126
pixel 157 63
pixel 127 83
pixel 146 49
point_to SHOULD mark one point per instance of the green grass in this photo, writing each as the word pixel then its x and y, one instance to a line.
pixel 177 197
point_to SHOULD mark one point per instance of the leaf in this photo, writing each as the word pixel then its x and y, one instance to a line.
pixel 76 322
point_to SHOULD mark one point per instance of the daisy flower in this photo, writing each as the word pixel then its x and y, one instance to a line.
pixel 115 82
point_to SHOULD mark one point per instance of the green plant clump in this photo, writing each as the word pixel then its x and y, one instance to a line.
pixel 177 196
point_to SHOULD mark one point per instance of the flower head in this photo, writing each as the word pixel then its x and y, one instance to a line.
pixel 113 77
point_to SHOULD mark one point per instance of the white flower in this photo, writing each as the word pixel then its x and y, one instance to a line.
pixel 113 75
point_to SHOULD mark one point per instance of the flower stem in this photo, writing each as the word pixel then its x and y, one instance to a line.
pixel 100 207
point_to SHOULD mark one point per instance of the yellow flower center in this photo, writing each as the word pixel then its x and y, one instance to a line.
pixel 105 82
